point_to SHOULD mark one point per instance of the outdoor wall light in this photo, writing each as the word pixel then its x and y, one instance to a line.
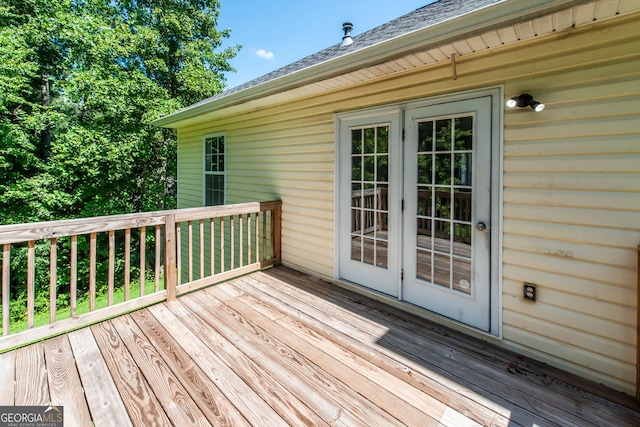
pixel 525 100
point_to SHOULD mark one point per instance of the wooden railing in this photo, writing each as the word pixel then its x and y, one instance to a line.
pixel 77 263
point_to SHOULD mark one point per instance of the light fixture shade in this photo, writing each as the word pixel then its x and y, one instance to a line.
pixel 539 107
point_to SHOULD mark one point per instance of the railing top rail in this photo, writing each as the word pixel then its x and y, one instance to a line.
pixel 13 233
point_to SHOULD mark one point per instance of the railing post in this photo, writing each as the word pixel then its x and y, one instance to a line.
pixel 276 230
pixel 170 256
pixel 6 276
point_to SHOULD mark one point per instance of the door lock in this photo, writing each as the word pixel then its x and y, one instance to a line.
pixel 481 226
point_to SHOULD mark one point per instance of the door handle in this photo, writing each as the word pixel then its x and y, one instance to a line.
pixel 481 226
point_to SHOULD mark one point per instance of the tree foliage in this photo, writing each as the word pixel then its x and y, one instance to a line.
pixel 80 83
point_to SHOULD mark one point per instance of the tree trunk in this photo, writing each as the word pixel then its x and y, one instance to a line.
pixel 45 134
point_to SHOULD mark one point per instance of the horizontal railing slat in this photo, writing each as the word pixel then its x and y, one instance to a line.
pixel 73 227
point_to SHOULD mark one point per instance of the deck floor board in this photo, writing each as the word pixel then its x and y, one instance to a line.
pixel 278 348
pixel 65 387
pixel 138 397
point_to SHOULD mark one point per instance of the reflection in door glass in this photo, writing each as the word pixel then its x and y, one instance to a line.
pixel 444 202
pixel 369 195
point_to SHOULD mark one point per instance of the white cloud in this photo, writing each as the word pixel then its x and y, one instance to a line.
pixel 265 54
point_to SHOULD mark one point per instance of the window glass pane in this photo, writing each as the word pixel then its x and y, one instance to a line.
pixel 214 171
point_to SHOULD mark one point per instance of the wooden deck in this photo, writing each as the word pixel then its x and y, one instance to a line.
pixel 280 348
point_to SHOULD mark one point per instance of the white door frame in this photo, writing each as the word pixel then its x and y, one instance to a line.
pixel 497 115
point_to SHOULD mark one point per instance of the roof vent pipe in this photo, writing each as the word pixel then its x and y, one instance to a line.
pixel 346 39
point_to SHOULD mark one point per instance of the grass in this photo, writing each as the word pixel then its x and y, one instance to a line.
pixel 82 305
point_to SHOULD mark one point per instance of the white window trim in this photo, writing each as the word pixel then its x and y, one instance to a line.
pixel 205 172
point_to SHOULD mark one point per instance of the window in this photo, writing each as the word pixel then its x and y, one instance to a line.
pixel 214 179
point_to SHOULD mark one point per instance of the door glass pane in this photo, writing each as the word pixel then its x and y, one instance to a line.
pixel 462 168
pixel 424 168
pixel 369 195
pixel 425 136
pixel 369 141
pixel 356 248
pixel 382 163
pixel 441 269
pixel 383 140
pixel 442 240
pixel 462 240
pixel 382 254
pixel 444 166
pixel 443 202
pixel 425 240
pixel 423 267
pixel 369 251
pixel 369 168
pixel 356 168
pixel 464 133
pixel 356 141
pixel 443 135
pixel 462 275
pixel 443 169
pixel 462 204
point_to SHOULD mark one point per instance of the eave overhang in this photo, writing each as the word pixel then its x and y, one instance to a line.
pixel 499 15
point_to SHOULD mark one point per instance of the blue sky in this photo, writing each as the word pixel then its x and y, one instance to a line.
pixel 275 33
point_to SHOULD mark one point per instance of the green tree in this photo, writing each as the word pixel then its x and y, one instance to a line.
pixel 80 83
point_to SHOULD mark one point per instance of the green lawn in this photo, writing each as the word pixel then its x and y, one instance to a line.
pixel 82 305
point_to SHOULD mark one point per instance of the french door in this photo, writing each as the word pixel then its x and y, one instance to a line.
pixel 447 215
pixel 415 212
pixel 369 205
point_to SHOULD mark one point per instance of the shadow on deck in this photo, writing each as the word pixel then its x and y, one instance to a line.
pixel 278 347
